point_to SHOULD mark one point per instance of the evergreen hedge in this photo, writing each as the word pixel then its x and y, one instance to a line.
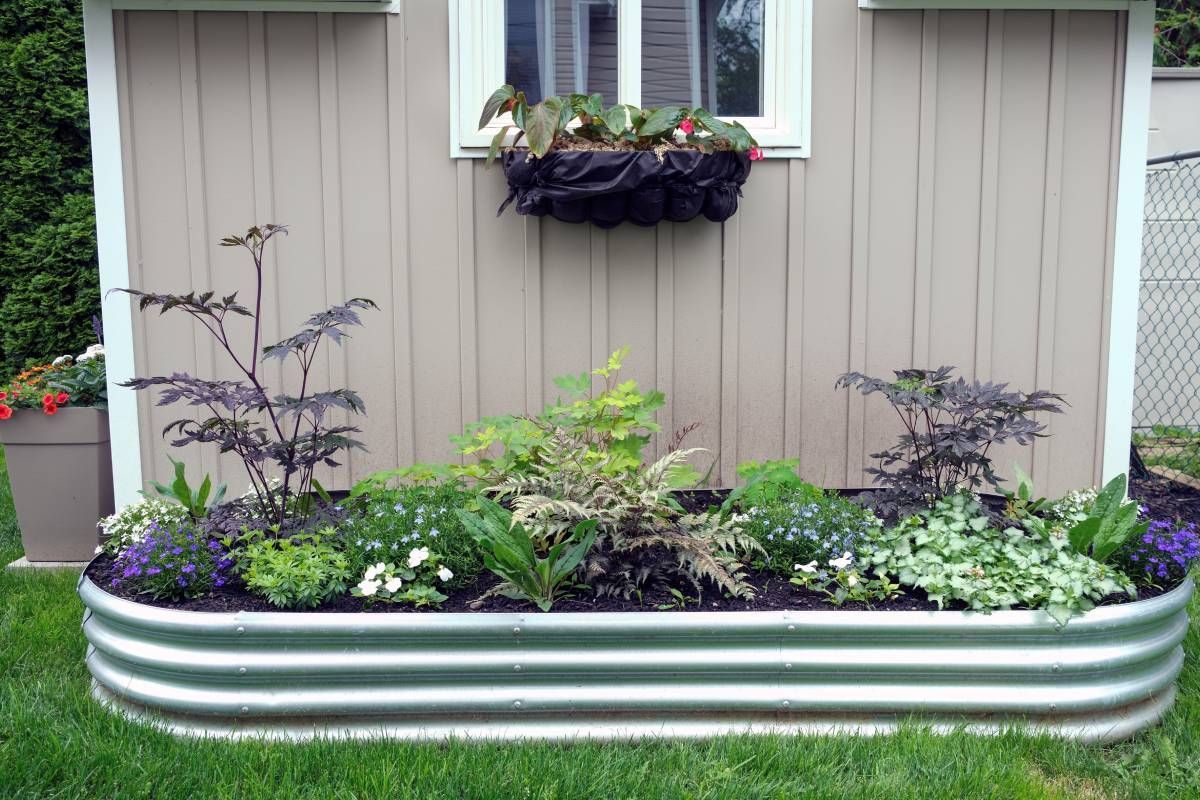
pixel 48 275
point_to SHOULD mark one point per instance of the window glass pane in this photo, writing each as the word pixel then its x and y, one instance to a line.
pixel 561 46
pixel 703 53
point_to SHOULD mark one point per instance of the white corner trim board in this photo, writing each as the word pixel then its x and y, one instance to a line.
pixel 1014 5
pixel 109 189
pixel 1127 247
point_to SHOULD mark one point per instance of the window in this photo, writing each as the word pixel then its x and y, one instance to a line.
pixel 742 59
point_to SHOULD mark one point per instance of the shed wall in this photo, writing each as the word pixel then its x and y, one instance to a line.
pixel 957 208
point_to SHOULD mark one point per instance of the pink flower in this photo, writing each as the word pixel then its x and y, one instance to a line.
pixel 686 126
pixel 756 154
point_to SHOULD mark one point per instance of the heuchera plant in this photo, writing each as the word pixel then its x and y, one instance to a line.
pixel 621 126
pixel 950 424
pixel 289 432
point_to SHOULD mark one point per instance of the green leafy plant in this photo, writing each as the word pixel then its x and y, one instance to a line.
pixel 509 553
pixel 804 525
pixel 646 538
pixel 1109 524
pixel 678 601
pixel 414 582
pixel 845 584
pixel 614 424
pixel 196 502
pixel 547 124
pixel 765 482
pixel 384 524
pixel 953 553
pixel 1020 503
pixel 300 571
pixel 83 380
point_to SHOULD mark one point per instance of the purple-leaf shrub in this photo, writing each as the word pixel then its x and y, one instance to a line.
pixel 173 562
pixel 282 434
pixel 1163 554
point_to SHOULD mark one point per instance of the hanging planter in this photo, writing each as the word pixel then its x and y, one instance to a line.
pixel 643 187
pixel 587 164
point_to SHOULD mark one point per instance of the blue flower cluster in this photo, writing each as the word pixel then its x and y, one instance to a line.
pixel 800 529
pixel 173 562
pixel 1163 554
pixel 393 521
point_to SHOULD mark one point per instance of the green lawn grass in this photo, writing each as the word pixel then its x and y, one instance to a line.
pixel 56 743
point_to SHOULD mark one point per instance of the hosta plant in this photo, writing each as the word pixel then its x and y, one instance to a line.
pixel 950 425
pixel 559 121
pixel 953 553
pixel 510 553
pixel 1110 522
pixel 289 433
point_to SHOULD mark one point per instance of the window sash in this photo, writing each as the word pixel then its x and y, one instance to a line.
pixel 477 58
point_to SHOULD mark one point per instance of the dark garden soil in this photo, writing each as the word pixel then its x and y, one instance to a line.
pixel 1167 499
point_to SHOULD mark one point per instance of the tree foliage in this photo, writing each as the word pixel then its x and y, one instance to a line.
pixel 1177 34
pixel 47 219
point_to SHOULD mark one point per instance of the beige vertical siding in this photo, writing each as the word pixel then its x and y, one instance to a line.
pixel 957 208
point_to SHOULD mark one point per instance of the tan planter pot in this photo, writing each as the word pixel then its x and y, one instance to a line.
pixel 61 473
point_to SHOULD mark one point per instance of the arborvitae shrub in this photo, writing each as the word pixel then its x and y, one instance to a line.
pixel 48 279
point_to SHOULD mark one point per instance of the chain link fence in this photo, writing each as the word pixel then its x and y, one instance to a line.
pixel 1166 404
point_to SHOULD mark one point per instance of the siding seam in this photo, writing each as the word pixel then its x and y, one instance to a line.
pixel 989 206
pixel 926 187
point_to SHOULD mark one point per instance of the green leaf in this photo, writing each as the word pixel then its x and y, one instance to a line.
pixel 1110 497
pixel 616 119
pixel 497 143
pixel 1082 534
pixel 542 125
pixel 492 107
pixel 662 120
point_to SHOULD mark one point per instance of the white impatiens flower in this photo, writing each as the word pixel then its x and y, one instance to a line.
pixel 368 587
pixel 445 574
pixel 375 571
pixel 393 585
pixel 843 562
pixel 852 580
pixel 417 556
pixel 810 567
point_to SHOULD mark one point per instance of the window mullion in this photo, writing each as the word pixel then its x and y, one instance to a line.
pixel 629 52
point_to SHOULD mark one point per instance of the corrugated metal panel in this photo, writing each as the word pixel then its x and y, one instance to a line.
pixel 957 207
pixel 1102 676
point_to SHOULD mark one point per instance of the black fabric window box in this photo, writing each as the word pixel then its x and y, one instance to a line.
pixel 609 187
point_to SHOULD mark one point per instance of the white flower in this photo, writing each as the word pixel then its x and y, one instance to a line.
pixel 393 585
pixel 843 562
pixel 368 587
pixel 58 362
pixel 445 574
pixel 852 580
pixel 99 549
pixel 810 567
pixel 373 572
pixel 417 556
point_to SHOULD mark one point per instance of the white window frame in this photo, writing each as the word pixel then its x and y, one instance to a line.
pixel 477 68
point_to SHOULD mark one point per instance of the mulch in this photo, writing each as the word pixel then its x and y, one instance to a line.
pixel 1167 499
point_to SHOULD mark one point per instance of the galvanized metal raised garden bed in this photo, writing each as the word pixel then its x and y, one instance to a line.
pixel 1103 676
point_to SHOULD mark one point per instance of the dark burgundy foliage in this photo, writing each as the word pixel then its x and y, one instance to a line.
pixel 282 434
pixel 950 424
